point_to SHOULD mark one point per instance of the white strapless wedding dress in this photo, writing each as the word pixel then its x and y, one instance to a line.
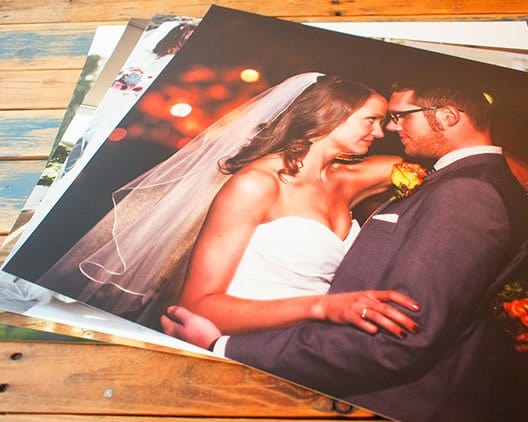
pixel 290 256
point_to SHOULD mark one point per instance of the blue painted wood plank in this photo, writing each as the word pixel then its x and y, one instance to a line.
pixel 28 45
pixel 28 134
pixel 44 47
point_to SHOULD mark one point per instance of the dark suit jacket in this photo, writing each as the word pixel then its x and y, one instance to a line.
pixel 453 237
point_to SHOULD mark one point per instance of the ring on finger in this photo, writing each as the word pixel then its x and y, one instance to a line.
pixel 364 313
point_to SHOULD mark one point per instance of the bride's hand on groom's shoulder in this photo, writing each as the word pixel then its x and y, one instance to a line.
pixel 368 310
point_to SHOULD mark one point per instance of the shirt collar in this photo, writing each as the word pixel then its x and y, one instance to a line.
pixel 458 154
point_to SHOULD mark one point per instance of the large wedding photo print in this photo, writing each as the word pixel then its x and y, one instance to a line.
pixel 339 211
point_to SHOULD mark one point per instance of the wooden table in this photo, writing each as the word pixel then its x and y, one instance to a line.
pixel 42 49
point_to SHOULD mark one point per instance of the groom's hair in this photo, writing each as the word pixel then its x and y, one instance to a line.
pixel 474 101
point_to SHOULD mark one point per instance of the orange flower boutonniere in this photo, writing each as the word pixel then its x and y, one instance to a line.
pixel 517 309
pixel 406 177
pixel 510 307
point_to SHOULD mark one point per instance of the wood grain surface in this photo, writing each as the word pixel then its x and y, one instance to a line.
pixel 43 44
pixel 120 380
pixel 38 11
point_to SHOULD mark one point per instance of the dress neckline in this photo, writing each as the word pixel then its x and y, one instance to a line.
pixel 353 228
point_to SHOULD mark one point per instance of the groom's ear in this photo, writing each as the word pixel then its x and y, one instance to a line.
pixel 448 116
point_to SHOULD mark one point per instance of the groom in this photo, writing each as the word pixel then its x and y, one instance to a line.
pixel 444 246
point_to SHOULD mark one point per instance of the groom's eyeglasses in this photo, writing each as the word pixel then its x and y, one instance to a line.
pixel 395 116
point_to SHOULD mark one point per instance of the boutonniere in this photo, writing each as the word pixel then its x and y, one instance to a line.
pixel 406 177
pixel 510 307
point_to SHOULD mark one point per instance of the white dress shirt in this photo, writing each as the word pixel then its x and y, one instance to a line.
pixel 458 154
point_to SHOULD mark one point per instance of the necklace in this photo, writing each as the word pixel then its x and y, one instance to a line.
pixel 348 158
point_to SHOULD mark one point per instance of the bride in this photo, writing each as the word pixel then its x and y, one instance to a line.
pixel 269 225
pixel 278 229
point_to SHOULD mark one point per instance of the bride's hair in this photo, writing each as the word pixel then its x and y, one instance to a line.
pixel 312 115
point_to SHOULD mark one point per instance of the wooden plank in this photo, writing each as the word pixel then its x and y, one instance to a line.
pixel 44 46
pixel 17 180
pixel 50 89
pixel 108 418
pixel 28 134
pixel 15 11
pixel 121 380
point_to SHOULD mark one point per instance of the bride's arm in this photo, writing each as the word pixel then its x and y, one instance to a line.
pixel 359 181
pixel 239 207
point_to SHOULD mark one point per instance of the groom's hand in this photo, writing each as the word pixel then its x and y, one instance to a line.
pixel 189 327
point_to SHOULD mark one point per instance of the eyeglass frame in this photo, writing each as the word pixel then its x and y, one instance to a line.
pixel 396 116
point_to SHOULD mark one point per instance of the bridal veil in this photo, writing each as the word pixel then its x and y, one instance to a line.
pixel 146 238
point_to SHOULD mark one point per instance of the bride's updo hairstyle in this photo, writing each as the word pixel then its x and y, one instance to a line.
pixel 315 113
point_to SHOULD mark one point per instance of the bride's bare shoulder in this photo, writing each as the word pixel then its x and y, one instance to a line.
pixel 254 183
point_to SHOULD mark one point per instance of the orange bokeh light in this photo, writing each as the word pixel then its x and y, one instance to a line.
pixel 250 75
pixel 181 110
pixel 118 134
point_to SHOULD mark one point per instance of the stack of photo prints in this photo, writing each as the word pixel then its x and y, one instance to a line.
pixel 199 196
